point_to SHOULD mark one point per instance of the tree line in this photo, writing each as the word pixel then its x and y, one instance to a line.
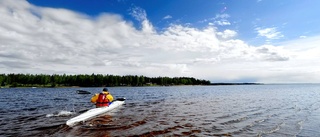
pixel 93 80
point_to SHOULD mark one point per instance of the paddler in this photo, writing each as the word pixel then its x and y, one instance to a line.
pixel 102 99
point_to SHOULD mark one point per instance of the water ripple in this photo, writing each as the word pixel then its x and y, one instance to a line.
pixel 256 110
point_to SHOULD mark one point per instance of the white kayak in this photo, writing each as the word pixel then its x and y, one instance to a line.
pixel 94 112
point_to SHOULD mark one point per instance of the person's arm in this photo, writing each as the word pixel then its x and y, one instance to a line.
pixel 94 98
pixel 110 97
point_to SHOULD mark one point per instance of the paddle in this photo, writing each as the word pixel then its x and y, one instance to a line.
pixel 83 92
pixel 120 99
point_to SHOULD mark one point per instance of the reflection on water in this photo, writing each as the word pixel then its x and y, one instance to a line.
pixel 254 110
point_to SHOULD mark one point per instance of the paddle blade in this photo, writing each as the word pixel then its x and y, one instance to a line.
pixel 121 99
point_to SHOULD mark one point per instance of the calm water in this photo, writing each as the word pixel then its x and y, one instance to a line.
pixel 254 110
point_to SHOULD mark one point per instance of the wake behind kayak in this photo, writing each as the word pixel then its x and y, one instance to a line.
pixel 92 113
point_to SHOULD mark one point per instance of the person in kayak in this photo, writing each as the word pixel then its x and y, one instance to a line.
pixel 102 99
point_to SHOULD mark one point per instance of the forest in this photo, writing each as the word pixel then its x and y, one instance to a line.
pixel 93 80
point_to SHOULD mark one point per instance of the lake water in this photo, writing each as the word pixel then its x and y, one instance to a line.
pixel 242 110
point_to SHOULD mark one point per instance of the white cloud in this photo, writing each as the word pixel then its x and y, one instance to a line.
pixel 221 19
pixel 222 16
pixel 141 15
pixel 272 53
pixel 167 17
pixel 222 22
pixel 270 33
pixel 138 13
pixel 303 37
pixel 47 40
pixel 227 34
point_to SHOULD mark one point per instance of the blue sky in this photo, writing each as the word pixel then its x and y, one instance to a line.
pixel 291 18
pixel 267 41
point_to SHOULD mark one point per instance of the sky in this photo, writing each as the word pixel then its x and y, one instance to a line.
pixel 266 41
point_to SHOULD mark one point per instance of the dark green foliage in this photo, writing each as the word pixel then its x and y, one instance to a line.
pixel 93 80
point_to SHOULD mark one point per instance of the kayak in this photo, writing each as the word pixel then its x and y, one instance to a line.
pixel 92 113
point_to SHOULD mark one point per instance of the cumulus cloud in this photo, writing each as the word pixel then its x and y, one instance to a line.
pixel 47 40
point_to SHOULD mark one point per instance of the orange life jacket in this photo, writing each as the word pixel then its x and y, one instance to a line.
pixel 102 100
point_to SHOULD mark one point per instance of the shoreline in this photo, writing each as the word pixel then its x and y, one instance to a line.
pixel 212 84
